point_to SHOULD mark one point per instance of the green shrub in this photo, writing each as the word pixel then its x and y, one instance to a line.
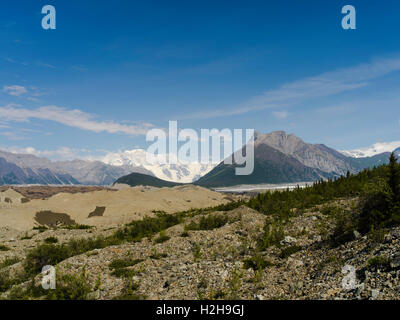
pixel 273 234
pixel 69 287
pixel 209 222
pixel 124 273
pixel 40 228
pixel 26 236
pixel 51 240
pixel 8 262
pixel 77 227
pixel 137 230
pixel 157 256
pixel 123 263
pixel 287 252
pixel 196 252
pixel 129 292
pixel 257 262
pixel 52 254
pixel 162 237
pixel 4 248
pixel 378 262
pixel 345 225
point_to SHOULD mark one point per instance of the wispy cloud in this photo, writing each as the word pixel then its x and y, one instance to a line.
pixel 15 90
pixel 280 114
pixel 45 65
pixel 62 153
pixel 12 136
pixel 73 118
pixel 294 93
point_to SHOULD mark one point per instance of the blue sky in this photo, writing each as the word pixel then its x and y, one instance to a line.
pixel 113 69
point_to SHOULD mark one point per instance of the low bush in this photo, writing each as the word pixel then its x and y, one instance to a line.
pixel 273 234
pixel 51 240
pixel 287 252
pixel 162 237
pixel 378 262
pixel 257 262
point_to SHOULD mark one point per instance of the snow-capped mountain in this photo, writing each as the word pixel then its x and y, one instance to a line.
pixel 373 150
pixel 179 172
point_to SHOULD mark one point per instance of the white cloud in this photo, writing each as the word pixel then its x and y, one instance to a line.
pixel 15 90
pixel 281 114
pixel 325 84
pixel 62 153
pixel 73 118
pixel 12 135
pixel 45 65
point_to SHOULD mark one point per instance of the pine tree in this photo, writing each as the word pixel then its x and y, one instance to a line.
pixel 394 177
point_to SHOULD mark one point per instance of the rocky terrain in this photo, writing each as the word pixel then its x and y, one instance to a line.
pixel 213 254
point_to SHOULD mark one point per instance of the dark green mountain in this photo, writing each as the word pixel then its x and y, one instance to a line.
pixel 139 179
pixel 270 166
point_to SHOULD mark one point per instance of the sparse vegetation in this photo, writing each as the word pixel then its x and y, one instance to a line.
pixel 197 252
pixel 273 234
pixel 51 240
pixel 123 263
pixel 129 292
pixel 378 262
pixel 4 248
pixel 257 262
pixel 77 227
pixel 40 228
pixel 8 262
pixel 162 237
pixel 287 252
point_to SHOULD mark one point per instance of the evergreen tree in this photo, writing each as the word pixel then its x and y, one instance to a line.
pixel 394 177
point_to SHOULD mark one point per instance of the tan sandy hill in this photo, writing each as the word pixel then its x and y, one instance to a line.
pixel 11 196
pixel 105 207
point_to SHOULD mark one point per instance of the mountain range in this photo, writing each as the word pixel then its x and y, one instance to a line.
pixel 30 169
pixel 279 158
pixel 180 172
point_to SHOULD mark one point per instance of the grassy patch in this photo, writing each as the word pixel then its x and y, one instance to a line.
pixel 40 228
pixel 196 252
pixel 272 235
pixel 8 262
pixel 52 254
pixel 69 287
pixel 157 255
pixel 257 262
pixel 378 262
pixel 209 222
pixel 51 240
pixel 123 263
pixel 129 292
pixel 287 252
pixel 4 248
pixel 77 227
pixel 162 237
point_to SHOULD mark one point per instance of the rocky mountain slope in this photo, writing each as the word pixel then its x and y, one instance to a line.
pixel 270 166
pixel 43 171
pixel 10 173
pixel 281 158
pixel 314 156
